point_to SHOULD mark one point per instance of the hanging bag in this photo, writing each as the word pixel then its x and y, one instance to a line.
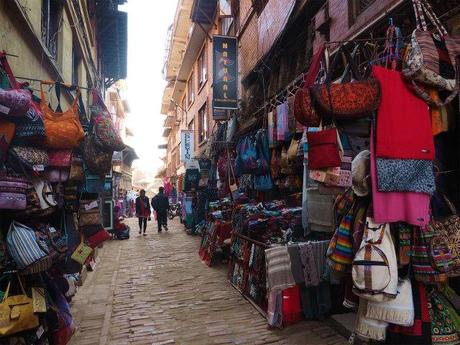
pixel 24 247
pixel 13 189
pixel 448 229
pixel 304 111
pixel 432 56
pixel 106 135
pixel 375 269
pixel 323 149
pixel 351 100
pixel 63 128
pixel 17 312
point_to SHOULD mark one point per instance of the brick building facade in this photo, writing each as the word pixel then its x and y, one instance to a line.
pixel 277 39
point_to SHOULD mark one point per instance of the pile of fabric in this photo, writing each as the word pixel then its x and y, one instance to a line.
pixel 53 162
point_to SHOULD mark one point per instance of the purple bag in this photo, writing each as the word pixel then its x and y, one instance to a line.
pixel 56 175
pixel 13 192
pixel 14 103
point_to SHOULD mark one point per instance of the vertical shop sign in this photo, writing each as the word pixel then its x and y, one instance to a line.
pixel 186 146
pixel 225 73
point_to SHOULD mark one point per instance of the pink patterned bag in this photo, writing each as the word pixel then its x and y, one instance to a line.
pixel 60 158
pixel 14 103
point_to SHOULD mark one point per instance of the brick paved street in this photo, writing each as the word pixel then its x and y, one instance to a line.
pixel 155 290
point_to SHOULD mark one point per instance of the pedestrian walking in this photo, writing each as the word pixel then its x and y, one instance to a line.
pixel 160 204
pixel 142 211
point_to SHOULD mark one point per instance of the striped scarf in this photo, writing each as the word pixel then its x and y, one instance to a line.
pixel 340 251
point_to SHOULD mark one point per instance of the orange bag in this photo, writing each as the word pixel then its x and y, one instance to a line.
pixel 63 128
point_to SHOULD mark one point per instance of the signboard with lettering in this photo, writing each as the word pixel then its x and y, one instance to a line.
pixel 186 146
pixel 225 72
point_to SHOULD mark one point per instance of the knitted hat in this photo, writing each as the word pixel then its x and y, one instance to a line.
pixel 360 169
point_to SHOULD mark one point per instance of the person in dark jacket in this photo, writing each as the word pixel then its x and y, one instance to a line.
pixel 160 204
pixel 142 211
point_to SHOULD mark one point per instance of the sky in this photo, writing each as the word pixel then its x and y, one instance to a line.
pixel 148 23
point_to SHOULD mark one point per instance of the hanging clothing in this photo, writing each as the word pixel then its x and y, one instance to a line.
pixel 310 269
pixel 403 120
pixel 191 180
pixel 420 332
pixel 391 207
pixel 279 275
pixel 282 122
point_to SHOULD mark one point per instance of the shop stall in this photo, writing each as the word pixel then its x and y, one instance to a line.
pixel 345 193
pixel 54 159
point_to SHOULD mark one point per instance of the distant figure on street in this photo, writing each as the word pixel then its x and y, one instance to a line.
pixel 142 211
pixel 160 204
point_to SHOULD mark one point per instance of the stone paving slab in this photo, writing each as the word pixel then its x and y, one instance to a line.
pixel 155 290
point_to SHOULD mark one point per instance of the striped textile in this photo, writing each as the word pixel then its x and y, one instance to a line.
pixel 278 264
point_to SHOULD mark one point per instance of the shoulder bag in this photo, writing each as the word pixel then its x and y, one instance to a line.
pixel 304 111
pixel 424 64
pixel 17 312
pixel 13 190
pixel 106 134
pixel 354 99
pixel 63 129
pixel 24 247
pixel 98 161
pixel 448 229
pixel 323 149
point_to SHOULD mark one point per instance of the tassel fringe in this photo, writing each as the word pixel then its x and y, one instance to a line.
pixel 390 315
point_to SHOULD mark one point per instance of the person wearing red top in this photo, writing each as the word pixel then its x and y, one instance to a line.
pixel 142 211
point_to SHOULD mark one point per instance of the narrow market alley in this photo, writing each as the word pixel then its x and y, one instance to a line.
pixel 155 290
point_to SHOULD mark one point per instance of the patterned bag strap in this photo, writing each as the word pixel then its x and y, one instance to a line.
pixel 433 17
pixel 419 17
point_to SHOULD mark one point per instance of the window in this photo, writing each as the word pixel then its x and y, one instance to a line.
pixel 191 90
pixel 202 68
pixel 202 124
pixel 75 65
pixel 51 17
pixel 259 5
pixel 357 7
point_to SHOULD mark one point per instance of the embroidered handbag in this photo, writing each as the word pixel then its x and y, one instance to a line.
pixel 13 192
pixel 304 111
pixel 14 103
pixel 23 245
pixel 98 238
pixel 60 158
pixel 432 57
pixel 107 136
pixel 77 173
pixel 347 100
pixel 423 263
pixel 448 229
pixel 29 158
pixel 30 129
pixel 323 149
pixel 16 312
pixel 63 129
pixel 98 161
